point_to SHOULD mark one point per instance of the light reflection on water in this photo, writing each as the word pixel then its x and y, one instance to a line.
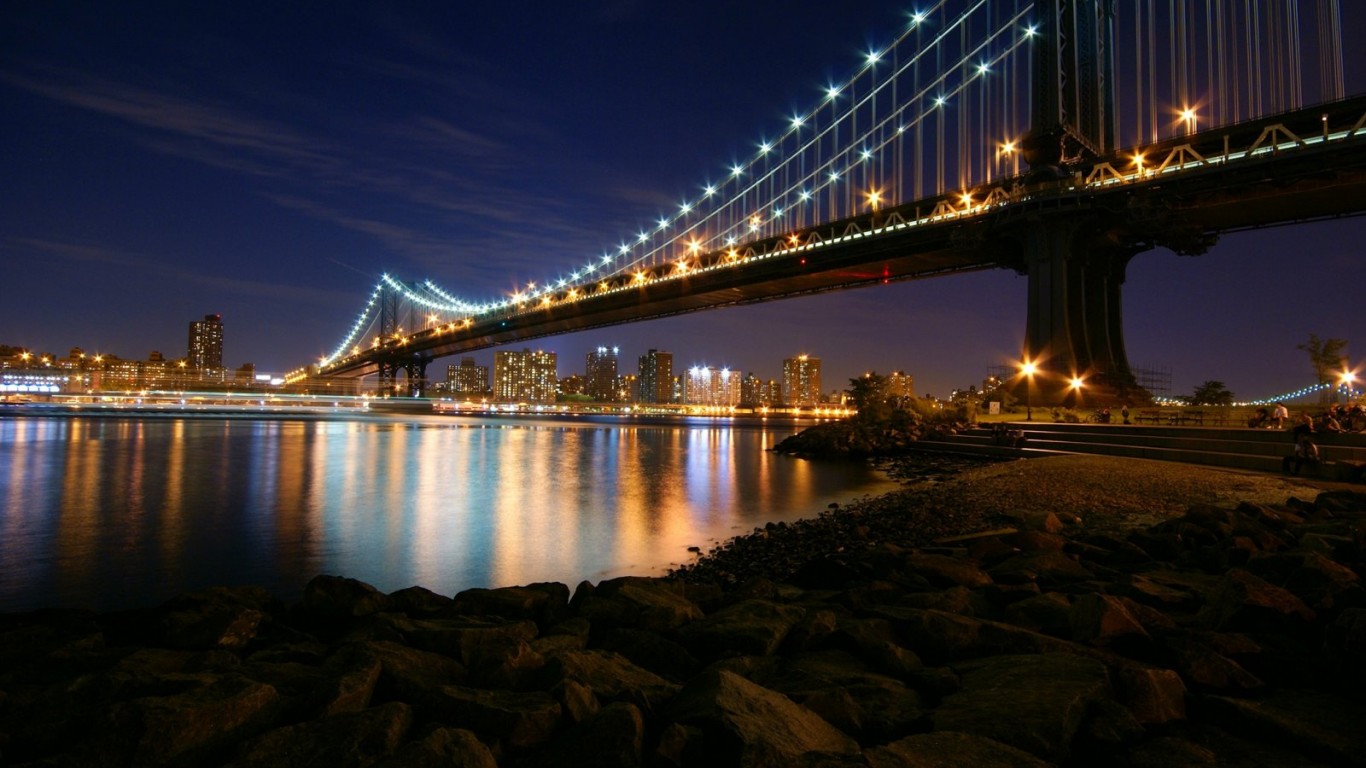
pixel 111 512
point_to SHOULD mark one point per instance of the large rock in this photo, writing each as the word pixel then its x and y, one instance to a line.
pixel 442 748
pixel 189 727
pixel 1245 602
pixel 649 604
pixel 1319 724
pixel 332 599
pixel 947 749
pixel 612 738
pixel 745 724
pixel 345 740
pixel 546 604
pixel 945 571
pixel 749 627
pixel 518 720
pixel 611 677
pixel 467 639
pixel 1034 702
pixel 408 674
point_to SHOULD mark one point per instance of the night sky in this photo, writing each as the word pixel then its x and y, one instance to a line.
pixel 267 161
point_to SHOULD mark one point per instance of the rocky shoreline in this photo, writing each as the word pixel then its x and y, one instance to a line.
pixel 1076 611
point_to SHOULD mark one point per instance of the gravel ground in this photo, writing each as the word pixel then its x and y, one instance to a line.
pixel 947 497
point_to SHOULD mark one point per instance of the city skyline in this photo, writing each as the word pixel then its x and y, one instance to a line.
pixel 270 163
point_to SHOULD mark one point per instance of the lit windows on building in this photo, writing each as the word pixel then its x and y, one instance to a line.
pixel 468 378
pixel 802 380
pixel 205 351
pixel 655 382
pixel 712 386
pixel 525 377
pixel 600 374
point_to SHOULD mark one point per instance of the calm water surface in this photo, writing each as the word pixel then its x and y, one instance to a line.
pixel 112 511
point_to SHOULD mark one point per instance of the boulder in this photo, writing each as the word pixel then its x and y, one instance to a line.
pixel 948 749
pixel 1244 602
pixel 408 674
pixel 518 720
pixel 650 604
pixel 746 724
pixel 334 598
pixel 442 748
pixel 189 727
pixel 753 627
pixel 611 677
pixel 1035 702
pixel 348 739
pixel 611 738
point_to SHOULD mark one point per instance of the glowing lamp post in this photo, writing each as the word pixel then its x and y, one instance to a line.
pixel 1027 369
pixel 1075 385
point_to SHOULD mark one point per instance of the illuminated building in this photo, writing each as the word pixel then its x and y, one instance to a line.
pixel 712 386
pixel 757 393
pixel 205 351
pixel 802 380
pixel 600 374
pixel 467 378
pixel 900 385
pixel 656 379
pixel 524 377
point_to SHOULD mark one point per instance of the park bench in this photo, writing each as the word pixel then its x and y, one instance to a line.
pixel 1151 415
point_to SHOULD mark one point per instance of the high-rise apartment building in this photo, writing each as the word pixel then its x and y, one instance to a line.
pixel 712 386
pixel 600 374
pixel 524 377
pixel 757 393
pixel 900 385
pixel 468 378
pixel 802 380
pixel 656 379
pixel 205 352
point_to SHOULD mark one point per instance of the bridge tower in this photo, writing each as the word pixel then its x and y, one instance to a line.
pixel 395 358
pixel 1075 258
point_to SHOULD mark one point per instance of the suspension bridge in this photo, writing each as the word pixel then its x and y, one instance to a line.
pixel 1056 138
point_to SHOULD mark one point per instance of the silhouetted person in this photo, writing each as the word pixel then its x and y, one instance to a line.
pixel 1306 450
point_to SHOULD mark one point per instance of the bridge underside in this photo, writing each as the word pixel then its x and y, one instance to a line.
pixel 1072 241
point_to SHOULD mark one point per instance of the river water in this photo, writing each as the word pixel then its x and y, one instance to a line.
pixel 119 511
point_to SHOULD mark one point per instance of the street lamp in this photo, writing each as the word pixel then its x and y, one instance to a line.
pixel 1027 369
pixel 1345 381
pixel 1075 385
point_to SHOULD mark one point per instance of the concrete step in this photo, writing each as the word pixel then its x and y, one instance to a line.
pixel 1256 450
pixel 1334 447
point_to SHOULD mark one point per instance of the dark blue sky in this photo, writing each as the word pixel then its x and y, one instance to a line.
pixel 266 161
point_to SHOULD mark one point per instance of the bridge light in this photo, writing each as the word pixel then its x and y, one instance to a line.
pixel 1007 147
pixel 966 197
pixel 685 208
pixel 1188 116
pixel 694 246
pixel 797 121
pixel 709 190
pixel 940 101
pixel 732 254
pixel 983 68
pixel 832 92
pixel 431 319
pixel 643 237
pixel 764 147
pixel 874 198
pixel 873 57
pixel 793 239
pixel 805 195
pixel 736 170
pixel 663 223
pixel 640 277
pixel 602 286
pixel 834 175
pixel 777 213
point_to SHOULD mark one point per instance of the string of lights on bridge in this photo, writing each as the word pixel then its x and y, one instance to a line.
pixel 759 199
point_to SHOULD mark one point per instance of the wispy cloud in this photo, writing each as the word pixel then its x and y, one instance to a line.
pixel 22 248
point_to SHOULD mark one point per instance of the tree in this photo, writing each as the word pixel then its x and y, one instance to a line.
pixel 869 393
pixel 1326 356
pixel 1212 393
